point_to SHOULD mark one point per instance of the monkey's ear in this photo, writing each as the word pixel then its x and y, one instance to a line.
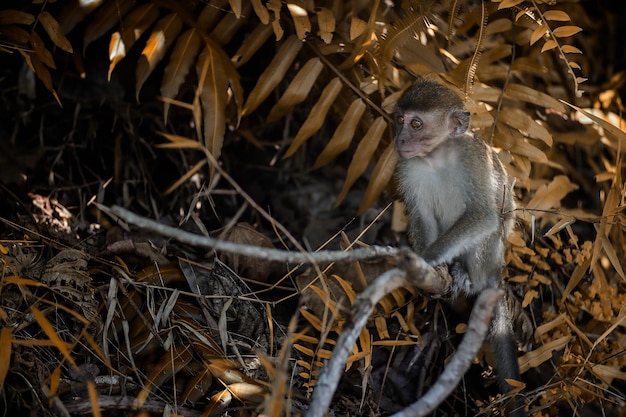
pixel 458 122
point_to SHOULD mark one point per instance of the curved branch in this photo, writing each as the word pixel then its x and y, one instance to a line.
pixel 477 328
pixel 249 250
pixel 412 271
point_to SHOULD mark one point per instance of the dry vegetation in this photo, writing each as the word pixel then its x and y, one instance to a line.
pixel 266 123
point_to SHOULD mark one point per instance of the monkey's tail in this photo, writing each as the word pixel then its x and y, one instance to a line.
pixel 504 349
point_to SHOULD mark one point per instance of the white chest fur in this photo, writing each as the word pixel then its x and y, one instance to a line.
pixel 433 191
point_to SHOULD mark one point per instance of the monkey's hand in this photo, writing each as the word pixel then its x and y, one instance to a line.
pixel 461 282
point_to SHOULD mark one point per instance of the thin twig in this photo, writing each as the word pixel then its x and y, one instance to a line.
pixel 270 254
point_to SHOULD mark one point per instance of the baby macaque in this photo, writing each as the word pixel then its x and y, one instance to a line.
pixel 459 202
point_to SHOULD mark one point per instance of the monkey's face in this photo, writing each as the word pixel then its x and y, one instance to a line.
pixel 418 133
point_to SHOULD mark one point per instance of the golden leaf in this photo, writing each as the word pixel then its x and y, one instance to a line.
pixel 300 20
pixel 363 155
pixel 317 116
pixel 164 33
pixel 183 56
pixel 382 173
pixel 343 135
pixel 274 6
pixel 569 49
pixel 499 26
pixel 556 15
pixel 326 23
pixel 213 97
pixel 261 11
pixel 251 46
pixel 530 95
pixel 298 89
pixel 549 196
pixel 565 31
pixel 15 34
pixel 550 44
pixel 235 5
pixel 218 402
pixel 509 3
pixel 108 15
pixel 245 391
pixel 542 353
pixel 52 334
pixel 538 34
pixel 273 74
pixel 40 49
pixel 521 121
pixel 35 64
pixel 15 17
pixel 357 27
pixel 134 25
pixel 228 26
pixel 75 12
pixel 54 31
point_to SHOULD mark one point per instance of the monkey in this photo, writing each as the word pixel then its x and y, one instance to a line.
pixel 459 204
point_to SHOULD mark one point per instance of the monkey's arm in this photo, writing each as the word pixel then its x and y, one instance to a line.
pixel 471 229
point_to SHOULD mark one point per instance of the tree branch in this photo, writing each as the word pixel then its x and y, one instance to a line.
pixel 412 271
pixel 249 250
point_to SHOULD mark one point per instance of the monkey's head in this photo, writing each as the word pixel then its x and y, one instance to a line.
pixel 426 116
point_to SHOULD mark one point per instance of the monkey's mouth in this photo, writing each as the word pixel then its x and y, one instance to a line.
pixel 407 153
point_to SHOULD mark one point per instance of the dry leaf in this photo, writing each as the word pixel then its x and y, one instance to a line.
pixel 520 120
pixel 134 25
pixel 274 6
pixel 549 196
pixel 298 90
pixel 15 17
pixel 163 34
pixel 317 115
pixel 251 46
pixel 183 56
pixel 35 64
pixel 75 11
pixel 343 135
pixel 300 20
pixel 261 11
pixel 40 49
pixel 357 27
pixel 565 31
pixel 258 269
pixel 326 23
pixel 530 95
pixel 228 26
pixel 509 3
pixel 569 49
pixel 235 5
pixel 213 97
pixel 383 171
pixel 550 44
pixel 363 155
pixel 556 15
pixel 542 354
pixel 273 74
pixel 54 31
pixel 107 16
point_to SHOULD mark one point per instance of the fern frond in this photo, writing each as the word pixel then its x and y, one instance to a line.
pixel 401 32
pixel 480 37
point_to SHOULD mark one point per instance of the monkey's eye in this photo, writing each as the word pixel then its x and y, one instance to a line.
pixel 399 120
pixel 416 124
